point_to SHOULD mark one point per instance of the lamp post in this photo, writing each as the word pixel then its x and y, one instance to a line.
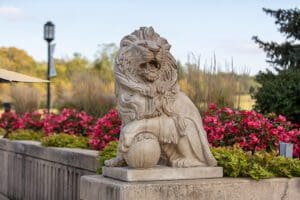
pixel 49 37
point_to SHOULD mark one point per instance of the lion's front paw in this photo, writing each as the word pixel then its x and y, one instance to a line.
pixel 115 162
pixel 186 162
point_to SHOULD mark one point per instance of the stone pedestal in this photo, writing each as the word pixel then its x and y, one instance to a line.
pixel 3 197
pixel 29 171
pixel 102 188
pixel 160 173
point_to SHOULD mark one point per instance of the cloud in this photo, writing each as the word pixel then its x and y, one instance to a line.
pixel 249 48
pixel 241 46
pixel 11 13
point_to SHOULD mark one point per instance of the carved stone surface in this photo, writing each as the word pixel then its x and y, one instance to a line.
pixel 153 109
pixel 161 173
pixel 29 171
pixel 140 148
pixel 102 188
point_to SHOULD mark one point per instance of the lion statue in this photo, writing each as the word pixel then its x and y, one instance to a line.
pixel 153 109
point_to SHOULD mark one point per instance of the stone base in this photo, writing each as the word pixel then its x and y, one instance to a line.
pixel 161 173
pixel 102 188
pixel 2 197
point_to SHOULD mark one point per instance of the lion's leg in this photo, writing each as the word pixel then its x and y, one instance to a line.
pixel 188 158
pixel 134 128
pixel 116 161
pixel 170 152
pixel 181 154
pixel 184 148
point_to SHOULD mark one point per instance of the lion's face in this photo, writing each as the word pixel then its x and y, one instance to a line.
pixel 149 71
pixel 147 59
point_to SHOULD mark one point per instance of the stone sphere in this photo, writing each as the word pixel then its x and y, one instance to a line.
pixel 144 151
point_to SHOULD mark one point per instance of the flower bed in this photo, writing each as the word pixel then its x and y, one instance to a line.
pixel 225 127
pixel 236 162
pixel 68 121
pixel 250 130
pixel 106 129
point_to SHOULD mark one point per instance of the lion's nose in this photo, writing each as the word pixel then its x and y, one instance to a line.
pixel 152 46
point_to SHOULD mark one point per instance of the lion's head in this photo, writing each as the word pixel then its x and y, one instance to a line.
pixel 145 57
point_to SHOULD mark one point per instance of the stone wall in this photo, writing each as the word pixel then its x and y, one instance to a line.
pixel 97 187
pixel 30 171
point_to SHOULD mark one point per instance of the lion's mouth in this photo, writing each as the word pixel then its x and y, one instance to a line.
pixel 151 75
pixel 150 70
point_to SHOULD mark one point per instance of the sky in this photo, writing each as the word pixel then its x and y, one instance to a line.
pixel 203 28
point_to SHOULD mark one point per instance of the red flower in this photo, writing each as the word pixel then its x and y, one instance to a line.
pixel 107 129
pixel 68 121
pixel 212 106
pixel 11 121
pixel 254 139
pixel 281 118
pixel 251 130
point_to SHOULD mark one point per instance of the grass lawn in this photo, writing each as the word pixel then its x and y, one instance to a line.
pixel 246 102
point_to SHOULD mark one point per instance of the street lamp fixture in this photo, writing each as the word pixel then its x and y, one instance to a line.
pixel 49 32
pixel 49 29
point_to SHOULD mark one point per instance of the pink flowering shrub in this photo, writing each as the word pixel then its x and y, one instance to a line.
pixel 251 130
pixel 69 121
pixel 11 121
pixel 107 129
pixel 33 121
pixel 225 127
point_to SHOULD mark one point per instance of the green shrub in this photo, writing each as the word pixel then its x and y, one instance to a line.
pixel 65 140
pixel 233 161
pixel 285 167
pixel 25 134
pixel 110 151
pixel 2 131
pixel 279 93
pixel 280 88
pixel 236 162
pixel 260 165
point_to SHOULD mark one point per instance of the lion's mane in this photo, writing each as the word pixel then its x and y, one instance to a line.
pixel 141 46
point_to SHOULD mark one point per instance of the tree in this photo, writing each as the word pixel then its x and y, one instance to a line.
pixel 279 91
pixel 104 61
pixel 287 54
pixel 17 60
